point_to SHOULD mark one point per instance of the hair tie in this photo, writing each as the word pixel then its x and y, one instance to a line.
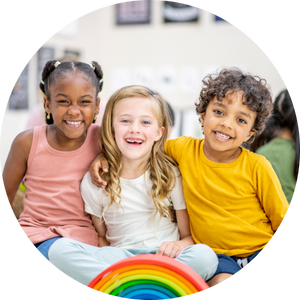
pixel 100 81
pixel 92 66
pixel 57 64
pixel 42 82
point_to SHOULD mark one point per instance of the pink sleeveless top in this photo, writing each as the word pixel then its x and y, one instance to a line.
pixel 53 205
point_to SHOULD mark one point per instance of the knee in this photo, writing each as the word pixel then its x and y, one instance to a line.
pixel 204 254
pixel 204 260
pixel 61 249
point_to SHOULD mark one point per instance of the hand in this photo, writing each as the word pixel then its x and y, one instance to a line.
pixel 99 163
pixel 171 249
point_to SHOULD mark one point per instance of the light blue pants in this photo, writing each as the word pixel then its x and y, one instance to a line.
pixel 83 262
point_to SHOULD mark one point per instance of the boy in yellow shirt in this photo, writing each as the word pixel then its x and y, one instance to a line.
pixel 233 196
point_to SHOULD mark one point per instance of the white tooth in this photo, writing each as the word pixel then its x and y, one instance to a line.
pixel 134 141
pixel 74 123
pixel 222 136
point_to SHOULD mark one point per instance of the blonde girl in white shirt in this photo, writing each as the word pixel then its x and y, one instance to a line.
pixel 131 213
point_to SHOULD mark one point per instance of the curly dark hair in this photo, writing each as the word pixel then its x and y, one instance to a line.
pixel 256 94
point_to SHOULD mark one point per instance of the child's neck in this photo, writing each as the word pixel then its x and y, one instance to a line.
pixel 132 169
pixel 285 133
pixel 62 143
pixel 221 157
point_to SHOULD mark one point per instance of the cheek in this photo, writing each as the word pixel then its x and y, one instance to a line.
pixel 118 132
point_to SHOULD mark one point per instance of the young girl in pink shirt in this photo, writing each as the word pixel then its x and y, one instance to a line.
pixel 53 158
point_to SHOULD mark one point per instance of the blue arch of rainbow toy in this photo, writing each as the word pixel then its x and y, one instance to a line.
pixel 150 287
pixel 146 294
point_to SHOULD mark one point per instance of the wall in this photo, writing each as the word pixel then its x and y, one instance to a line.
pixel 159 49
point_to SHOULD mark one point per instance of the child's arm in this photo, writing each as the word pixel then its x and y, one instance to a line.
pixel 99 163
pixel 16 163
pixel 101 230
pixel 172 249
pixel 270 193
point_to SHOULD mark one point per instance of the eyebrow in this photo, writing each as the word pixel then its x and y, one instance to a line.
pixel 60 94
pixel 224 106
pixel 143 116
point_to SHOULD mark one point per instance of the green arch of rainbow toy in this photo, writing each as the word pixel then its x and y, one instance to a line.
pixel 148 276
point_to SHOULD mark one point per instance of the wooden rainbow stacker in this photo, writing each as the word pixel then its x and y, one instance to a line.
pixel 148 276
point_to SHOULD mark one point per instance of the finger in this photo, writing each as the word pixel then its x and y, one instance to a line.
pixel 177 253
pixel 173 252
pixel 99 183
pixel 96 183
pixel 102 182
pixel 168 250
pixel 161 249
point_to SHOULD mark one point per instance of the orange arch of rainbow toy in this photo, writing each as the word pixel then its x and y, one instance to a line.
pixel 148 276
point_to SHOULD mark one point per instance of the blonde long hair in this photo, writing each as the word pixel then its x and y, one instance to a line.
pixel 160 166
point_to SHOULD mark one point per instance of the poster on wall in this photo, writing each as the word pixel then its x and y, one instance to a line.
pixel 177 12
pixel 19 96
pixel 133 12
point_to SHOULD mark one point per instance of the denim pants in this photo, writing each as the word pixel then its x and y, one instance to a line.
pixel 83 262
pixel 44 246
pixel 233 264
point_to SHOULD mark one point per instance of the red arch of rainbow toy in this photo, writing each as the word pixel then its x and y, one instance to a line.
pixel 148 276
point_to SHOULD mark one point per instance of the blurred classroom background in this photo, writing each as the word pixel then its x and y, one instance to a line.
pixel 164 45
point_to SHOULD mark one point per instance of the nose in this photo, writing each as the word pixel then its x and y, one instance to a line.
pixel 135 127
pixel 227 123
pixel 73 110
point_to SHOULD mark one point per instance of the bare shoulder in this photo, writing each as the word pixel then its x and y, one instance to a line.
pixel 23 141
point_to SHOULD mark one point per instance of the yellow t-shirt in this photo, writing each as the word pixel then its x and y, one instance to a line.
pixel 234 208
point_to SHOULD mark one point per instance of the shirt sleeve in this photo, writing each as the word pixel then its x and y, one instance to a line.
pixel 91 196
pixel 177 196
pixel 174 147
pixel 270 193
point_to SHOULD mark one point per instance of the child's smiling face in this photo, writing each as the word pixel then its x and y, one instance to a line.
pixel 227 125
pixel 136 128
pixel 73 105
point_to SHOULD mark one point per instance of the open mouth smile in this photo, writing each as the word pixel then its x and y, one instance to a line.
pixel 74 123
pixel 134 141
pixel 222 136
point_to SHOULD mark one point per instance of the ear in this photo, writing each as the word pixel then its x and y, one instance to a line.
pixel 47 105
pixel 97 106
pixel 249 135
pixel 160 133
pixel 202 118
